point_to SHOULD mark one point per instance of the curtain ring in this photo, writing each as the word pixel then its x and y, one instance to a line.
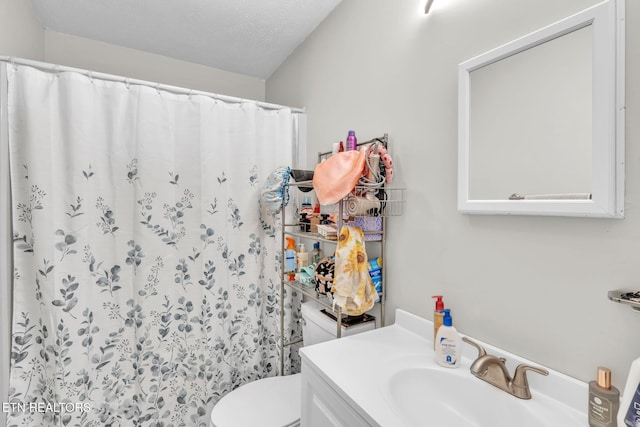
pixel 90 75
pixel 127 83
pixel 158 88
pixel 12 60
pixel 190 94
pixel 56 70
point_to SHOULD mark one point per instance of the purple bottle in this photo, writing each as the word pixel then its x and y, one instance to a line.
pixel 352 142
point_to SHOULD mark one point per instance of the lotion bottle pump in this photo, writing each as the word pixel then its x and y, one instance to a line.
pixel 448 343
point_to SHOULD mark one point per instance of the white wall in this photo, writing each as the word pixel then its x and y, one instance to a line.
pixel 21 34
pixel 536 286
pixel 92 55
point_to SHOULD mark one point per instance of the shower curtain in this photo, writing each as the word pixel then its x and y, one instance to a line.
pixel 144 287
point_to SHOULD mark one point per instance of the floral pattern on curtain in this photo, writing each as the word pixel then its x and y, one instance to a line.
pixel 144 286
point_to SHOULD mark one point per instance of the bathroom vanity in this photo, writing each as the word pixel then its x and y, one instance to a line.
pixel 388 377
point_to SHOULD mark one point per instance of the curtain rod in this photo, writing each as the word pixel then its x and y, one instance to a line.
pixel 45 66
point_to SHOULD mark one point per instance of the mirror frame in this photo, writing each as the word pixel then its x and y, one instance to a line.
pixel 608 117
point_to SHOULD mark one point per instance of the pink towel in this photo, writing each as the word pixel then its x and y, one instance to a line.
pixel 334 178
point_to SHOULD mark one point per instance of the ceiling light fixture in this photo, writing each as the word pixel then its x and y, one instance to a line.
pixel 428 6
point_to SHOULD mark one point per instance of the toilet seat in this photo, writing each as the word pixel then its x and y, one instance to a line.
pixel 269 402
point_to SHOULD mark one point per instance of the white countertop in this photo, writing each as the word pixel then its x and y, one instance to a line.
pixel 357 367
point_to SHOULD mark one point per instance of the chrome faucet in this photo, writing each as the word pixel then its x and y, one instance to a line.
pixel 493 370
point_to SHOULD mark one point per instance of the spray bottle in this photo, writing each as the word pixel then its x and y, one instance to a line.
pixel 352 141
pixel 290 257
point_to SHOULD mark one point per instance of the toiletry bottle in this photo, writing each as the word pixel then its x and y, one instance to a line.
pixel 604 400
pixel 306 205
pixel 290 257
pixel 316 253
pixel 629 414
pixel 375 272
pixel 447 343
pixel 437 317
pixel 352 141
pixel 303 257
pixel 373 166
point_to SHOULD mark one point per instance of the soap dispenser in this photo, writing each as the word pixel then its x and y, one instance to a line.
pixel 437 317
pixel 447 343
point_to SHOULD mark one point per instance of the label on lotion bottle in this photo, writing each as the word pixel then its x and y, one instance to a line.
pixel 629 413
pixel 447 343
pixel 632 418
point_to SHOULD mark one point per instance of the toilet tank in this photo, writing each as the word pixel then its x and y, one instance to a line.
pixel 317 327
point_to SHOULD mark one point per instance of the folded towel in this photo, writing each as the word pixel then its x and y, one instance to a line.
pixel 352 287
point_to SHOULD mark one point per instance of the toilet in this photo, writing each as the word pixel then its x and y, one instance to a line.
pixel 275 401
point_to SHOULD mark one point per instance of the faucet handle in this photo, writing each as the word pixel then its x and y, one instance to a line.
pixel 481 350
pixel 521 384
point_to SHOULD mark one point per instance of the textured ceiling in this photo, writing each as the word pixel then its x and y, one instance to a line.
pixel 251 37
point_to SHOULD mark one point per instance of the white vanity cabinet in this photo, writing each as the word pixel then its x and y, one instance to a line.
pixel 322 405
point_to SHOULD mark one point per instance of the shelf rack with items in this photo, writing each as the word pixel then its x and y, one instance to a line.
pixel 390 204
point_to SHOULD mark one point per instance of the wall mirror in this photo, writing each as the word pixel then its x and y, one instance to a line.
pixel 541 121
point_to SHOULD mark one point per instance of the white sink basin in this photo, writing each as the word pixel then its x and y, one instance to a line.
pixel 454 397
pixel 389 378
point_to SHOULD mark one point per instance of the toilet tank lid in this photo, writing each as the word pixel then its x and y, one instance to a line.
pixel 309 307
pixel 312 312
